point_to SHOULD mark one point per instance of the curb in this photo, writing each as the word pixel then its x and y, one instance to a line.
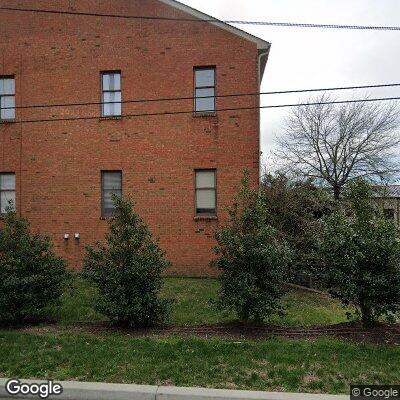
pixel 113 391
pixel 88 391
pixel 182 393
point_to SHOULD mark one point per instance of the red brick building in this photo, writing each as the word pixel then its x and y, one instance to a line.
pixel 61 164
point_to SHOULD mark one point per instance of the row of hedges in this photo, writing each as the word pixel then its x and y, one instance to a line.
pixel 351 248
pixel 126 270
pixel 355 253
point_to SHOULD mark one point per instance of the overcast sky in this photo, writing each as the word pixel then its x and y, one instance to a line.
pixel 313 58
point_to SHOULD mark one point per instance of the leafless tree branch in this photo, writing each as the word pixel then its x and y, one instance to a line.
pixel 338 143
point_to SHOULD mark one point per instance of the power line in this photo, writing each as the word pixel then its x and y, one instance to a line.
pixel 206 97
pixel 214 20
pixel 209 111
pixel 324 26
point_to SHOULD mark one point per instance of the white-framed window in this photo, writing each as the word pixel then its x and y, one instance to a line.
pixel 111 94
pixel 111 183
pixel 206 192
pixel 7 98
pixel 7 191
pixel 204 90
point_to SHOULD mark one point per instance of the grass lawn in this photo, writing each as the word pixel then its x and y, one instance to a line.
pixel 192 306
pixel 325 365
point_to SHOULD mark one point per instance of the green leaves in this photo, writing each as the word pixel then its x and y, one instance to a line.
pixel 295 208
pixel 361 254
pixel 127 271
pixel 32 277
pixel 252 259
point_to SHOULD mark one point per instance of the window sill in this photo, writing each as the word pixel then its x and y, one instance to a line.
pixel 205 217
pixel 8 121
pixel 116 118
pixel 205 114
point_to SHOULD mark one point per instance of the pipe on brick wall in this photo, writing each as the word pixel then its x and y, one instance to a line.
pixel 261 66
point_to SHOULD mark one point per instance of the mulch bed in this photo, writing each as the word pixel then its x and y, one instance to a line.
pixel 381 334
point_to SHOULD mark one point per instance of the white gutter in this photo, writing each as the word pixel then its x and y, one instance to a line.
pixel 262 62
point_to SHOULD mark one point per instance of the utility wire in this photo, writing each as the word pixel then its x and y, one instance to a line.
pixel 235 22
pixel 207 111
pixel 324 26
pixel 205 97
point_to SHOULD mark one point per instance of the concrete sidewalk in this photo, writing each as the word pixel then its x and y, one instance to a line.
pixel 111 391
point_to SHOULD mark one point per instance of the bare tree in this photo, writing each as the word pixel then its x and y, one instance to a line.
pixel 335 143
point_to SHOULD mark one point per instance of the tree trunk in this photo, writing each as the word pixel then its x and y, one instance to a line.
pixel 367 317
pixel 244 313
pixel 336 192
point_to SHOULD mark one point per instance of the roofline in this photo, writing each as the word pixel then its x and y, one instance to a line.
pixel 262 45
pixel 384 192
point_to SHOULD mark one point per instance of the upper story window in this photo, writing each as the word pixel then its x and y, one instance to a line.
pixel 7 192
pixel 111 94
pixel 7 98
pixel 206 192
pixel 111 183
pixel 204 98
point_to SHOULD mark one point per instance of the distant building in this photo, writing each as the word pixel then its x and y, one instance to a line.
pixel 389 199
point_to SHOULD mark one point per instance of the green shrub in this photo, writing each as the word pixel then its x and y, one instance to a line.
pixel 127 271
pixel 32 277
pixel 295 208
pixel 361 254
pixel 252 259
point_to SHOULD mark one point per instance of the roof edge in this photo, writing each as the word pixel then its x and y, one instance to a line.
pixel 263 55
pixel 261 44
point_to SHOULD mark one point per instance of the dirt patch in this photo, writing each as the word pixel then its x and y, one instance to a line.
pixel 354 331
pixel 310 378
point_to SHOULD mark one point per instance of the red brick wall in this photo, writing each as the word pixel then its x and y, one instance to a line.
pixel 58 59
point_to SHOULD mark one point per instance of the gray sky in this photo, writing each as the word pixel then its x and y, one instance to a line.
pixel 312 58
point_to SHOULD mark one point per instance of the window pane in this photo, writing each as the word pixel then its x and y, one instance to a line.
pixel 107 200
pixel 108 109
pixel 205 179
pixel 7 86
pixel 117 106
pixel 7 199
pixel 112 180
pixel 7 182
pixel 205 200
pixel 112 184
pixel 205 105
pixel 207 93
pixel 205 77
pixel 108 207
pixel 6 102
pixel 106 81
pixel 115 82
pixel 112 81
pixel 112 109
pixel 7 114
